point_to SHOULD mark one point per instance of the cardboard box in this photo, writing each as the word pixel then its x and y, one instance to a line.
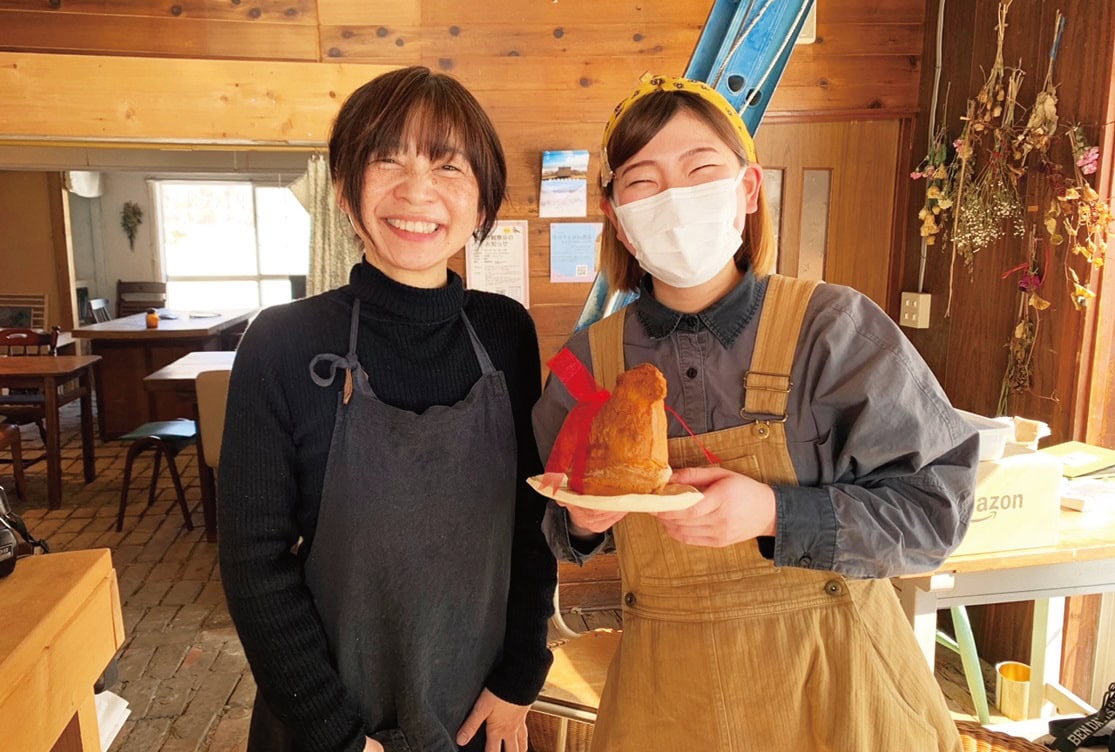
pixel 1018 502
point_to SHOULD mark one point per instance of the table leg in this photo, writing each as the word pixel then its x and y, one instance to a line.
pixel 208 494
pixel 1045 650
pixel 53 444
pixel 82 734
pixel 88 457
pixel 208 483
pixel 920 606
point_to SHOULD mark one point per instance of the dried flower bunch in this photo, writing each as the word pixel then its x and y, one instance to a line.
pixel 131 217
pixel 973 198
pixel 1078 216
pixel 937 170
pixel 1020 371
pixel 987 202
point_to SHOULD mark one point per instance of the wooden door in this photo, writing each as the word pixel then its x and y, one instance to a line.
pixel 831 186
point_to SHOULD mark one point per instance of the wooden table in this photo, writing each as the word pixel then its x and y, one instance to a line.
pixel 60 625
pixel 180 377
pixel 48 373
pixel 131 351
pixel 1082 563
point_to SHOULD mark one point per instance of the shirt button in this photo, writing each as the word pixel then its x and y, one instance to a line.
pixel 629 599
pixel 805 561
pixel 691 373
pixel 834 587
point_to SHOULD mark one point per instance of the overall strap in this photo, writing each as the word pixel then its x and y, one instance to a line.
pixel 767 382
pixel 605 340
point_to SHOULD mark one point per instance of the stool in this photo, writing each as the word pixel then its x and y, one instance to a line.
pixel 167 438
pixel 9 437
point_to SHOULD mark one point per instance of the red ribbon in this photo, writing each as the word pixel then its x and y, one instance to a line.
pixel 571 445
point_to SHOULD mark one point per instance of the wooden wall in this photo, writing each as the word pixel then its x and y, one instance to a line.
pixel 30 246
pixel 271 73
pixel 1073 362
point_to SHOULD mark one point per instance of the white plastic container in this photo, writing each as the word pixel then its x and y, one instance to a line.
pixel 994 433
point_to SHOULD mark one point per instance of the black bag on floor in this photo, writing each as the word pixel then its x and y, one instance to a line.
pixel 1070 734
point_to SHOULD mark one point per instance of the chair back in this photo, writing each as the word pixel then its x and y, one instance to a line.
pixel 23 311
pixel 137 297
pixel 98 310
pixel 29 341
pixel 212 393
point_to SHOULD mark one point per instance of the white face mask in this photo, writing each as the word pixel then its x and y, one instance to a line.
pixel 684 236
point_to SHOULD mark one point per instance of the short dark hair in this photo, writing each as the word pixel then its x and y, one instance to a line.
pixel 635 130
pixel 434 109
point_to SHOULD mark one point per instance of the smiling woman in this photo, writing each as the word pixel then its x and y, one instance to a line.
pixel 412 615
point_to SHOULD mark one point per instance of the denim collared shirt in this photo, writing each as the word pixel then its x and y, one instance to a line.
pixel 885 466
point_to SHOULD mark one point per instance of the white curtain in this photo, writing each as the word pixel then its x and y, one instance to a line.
pixel 334 247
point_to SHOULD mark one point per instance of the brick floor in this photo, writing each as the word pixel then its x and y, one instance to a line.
pixel 182 669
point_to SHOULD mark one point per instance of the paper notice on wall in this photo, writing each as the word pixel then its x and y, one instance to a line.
pixel 574 247
pixel 500 263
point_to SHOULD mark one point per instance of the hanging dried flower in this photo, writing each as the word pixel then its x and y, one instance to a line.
pixel 131 217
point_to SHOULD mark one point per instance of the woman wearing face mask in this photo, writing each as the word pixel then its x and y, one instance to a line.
pixel 756 619
pixel 381 553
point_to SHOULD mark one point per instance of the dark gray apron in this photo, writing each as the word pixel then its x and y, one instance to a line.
pixel 410 563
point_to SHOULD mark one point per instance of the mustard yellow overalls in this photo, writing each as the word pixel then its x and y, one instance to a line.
pixel 722 650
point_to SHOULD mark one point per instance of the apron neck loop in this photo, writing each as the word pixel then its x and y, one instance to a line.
pixel 349 362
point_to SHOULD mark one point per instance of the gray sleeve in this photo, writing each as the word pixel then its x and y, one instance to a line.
pixel 555 526
pixel 887 477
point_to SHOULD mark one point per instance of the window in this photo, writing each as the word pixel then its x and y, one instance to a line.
pixel 229 245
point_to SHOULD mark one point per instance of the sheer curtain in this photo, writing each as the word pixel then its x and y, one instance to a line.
pixel 333 245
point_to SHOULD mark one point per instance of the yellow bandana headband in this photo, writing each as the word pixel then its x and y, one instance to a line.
pixel 651 84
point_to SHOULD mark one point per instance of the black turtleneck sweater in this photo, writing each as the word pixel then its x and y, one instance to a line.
pixel 417 353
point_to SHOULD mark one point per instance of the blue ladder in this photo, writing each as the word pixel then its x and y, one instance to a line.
pixel 742 53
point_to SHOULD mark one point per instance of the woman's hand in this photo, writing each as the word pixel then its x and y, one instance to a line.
pixel 371 745
pixel 735 508
pixel 506 724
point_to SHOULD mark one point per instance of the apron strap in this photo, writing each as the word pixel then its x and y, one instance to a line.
pixel 349 362
pixel 482 356
pixel 605 341
pixel 767 382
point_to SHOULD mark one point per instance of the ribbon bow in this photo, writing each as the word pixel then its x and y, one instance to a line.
pixel 571 446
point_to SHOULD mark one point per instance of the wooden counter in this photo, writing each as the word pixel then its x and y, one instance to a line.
pixel 131 351
pixel 60 625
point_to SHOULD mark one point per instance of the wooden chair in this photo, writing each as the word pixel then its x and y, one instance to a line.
pixel 25 406
pixel 212 394
pixel 10 439
pixel 23 311
pixel 24 341
pixel 137 297
pixel 167 438
pixel 98 310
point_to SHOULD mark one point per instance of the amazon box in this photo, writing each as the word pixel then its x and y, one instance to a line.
pixel 1018 502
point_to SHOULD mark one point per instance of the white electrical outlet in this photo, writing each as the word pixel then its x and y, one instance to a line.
pixel 914 312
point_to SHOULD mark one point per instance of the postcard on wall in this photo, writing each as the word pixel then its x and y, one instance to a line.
pixel 499 264
pixel 573 250
pixel 564 189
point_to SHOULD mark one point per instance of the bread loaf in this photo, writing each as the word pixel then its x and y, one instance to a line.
pixel 627 450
